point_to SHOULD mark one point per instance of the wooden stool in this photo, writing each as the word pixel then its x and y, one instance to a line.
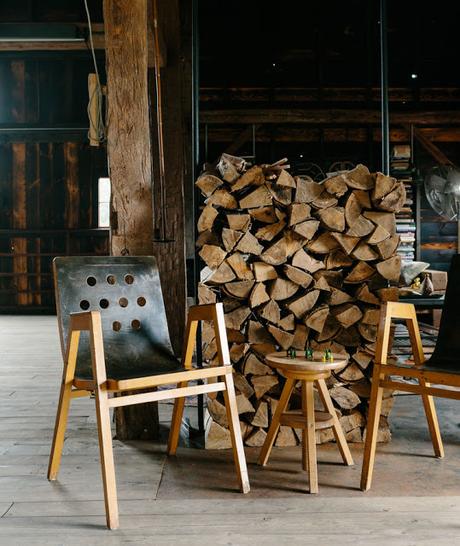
pixel 310 372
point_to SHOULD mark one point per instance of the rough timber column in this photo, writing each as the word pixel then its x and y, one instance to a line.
pixel 130 164
pixel 128 136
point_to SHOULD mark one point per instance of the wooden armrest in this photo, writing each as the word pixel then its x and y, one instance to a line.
pixel 82 321
pixel 204 312
pixel 396 309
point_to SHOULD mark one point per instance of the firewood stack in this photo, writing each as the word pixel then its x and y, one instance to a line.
pixel 296 263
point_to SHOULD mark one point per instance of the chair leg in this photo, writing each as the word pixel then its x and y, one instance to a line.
pixel 59 431
pixel 432 420
pixel 336 427
pixel 373 418
pixel 235 431
pixel 107 462
pixel 176 422
pixel 308 406
pixel 275 424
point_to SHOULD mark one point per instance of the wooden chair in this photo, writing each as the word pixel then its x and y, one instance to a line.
pixel 114 338
pixel 442 368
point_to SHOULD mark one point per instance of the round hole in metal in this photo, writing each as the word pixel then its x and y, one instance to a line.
pixel 111 279
pixel 116 326
pixel 129 279
pixel 141 301
pixel 123 302
pixel 136 324
pixel 91 281
pixel 84 304
pixel 104 303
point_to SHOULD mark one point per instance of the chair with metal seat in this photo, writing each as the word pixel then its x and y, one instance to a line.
pixel 442 368
pixel 114 338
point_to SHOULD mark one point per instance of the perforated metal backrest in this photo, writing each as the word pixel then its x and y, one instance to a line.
pixel 447 351
pixel 127 292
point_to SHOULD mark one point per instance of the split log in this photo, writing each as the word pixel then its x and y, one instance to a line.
pixel 222 198
pixel 252 177
pixel 263 349
pixel 379 234
pixel 388 294
pixel 302 278
pixel 364 252
pixel 280 194
pixel 304 261
pixel 323 244
pixel 239 266
pixel 333 218
pixel 217 412
pixel 260 418
pixel 301 306
pixel 239 222
pixel 336 185
pixel 222 275
pixel 361 272
pixel 253 366
pixel 287 323
pixel 276 254
pixel 344 398
pixel 383 185
pixel 363 198
pixel 237 351
pixel 264 272
pixel 244 405
pixel 206 219
pixel 282 289
pixel 338 297
pixel 347 242
pixel 361 227
pixel 338 258
pixel 352 210
pixel 300 337
pixel 263 384
pixel 268 233
pixel 235 319
pixel 385 219
pixel 360 178
pixel 307 190
pixel 330 329
pixel 334 278
pixel 368 331
pixel 347 314
pixel 371 316
pixel 364 294
pixel 260 197
pixel 322 284
pixel 390 269
pixel 317 318
pixel 306 229
pixel 239 289
pixel 363 358
pixel 298 212
pixel 258 295
pixel 230 167
pixel 208 183
pixel 285 179
pixel 218 437
pixel 395 200
pixel 212 255
pixel 257 333
pixel 207 237
pixel 286 437
pixel 271 312
pixel 284 339
pixel 235 336
pixel 206 294
pixel 248 244
pixel 388 247
pixel 351 373
pixel 349 337
pixel 324 201
pixel 256 438
pixel 243 385
pixel 266 215
pixel 230 237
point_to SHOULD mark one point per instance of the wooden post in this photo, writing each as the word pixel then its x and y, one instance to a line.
pixel 130 164
pixel 128 136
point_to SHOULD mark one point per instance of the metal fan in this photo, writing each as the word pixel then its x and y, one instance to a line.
pixel 442 189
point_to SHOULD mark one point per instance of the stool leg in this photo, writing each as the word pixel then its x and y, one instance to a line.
pixel 275 424
pixel 338 431
pixel 309 447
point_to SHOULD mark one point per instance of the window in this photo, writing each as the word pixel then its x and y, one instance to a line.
pixel 103 203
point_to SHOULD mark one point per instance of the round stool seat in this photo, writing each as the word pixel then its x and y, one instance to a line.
pixel 282 362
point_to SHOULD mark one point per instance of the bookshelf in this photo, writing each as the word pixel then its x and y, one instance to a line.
pixel 408 219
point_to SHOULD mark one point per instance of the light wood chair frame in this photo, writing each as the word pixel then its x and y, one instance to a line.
pixel 105 391
pixel 382 379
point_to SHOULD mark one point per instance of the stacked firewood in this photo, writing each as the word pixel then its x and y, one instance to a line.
pixel 296 264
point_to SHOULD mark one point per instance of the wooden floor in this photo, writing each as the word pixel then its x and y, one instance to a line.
pixel 191 500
